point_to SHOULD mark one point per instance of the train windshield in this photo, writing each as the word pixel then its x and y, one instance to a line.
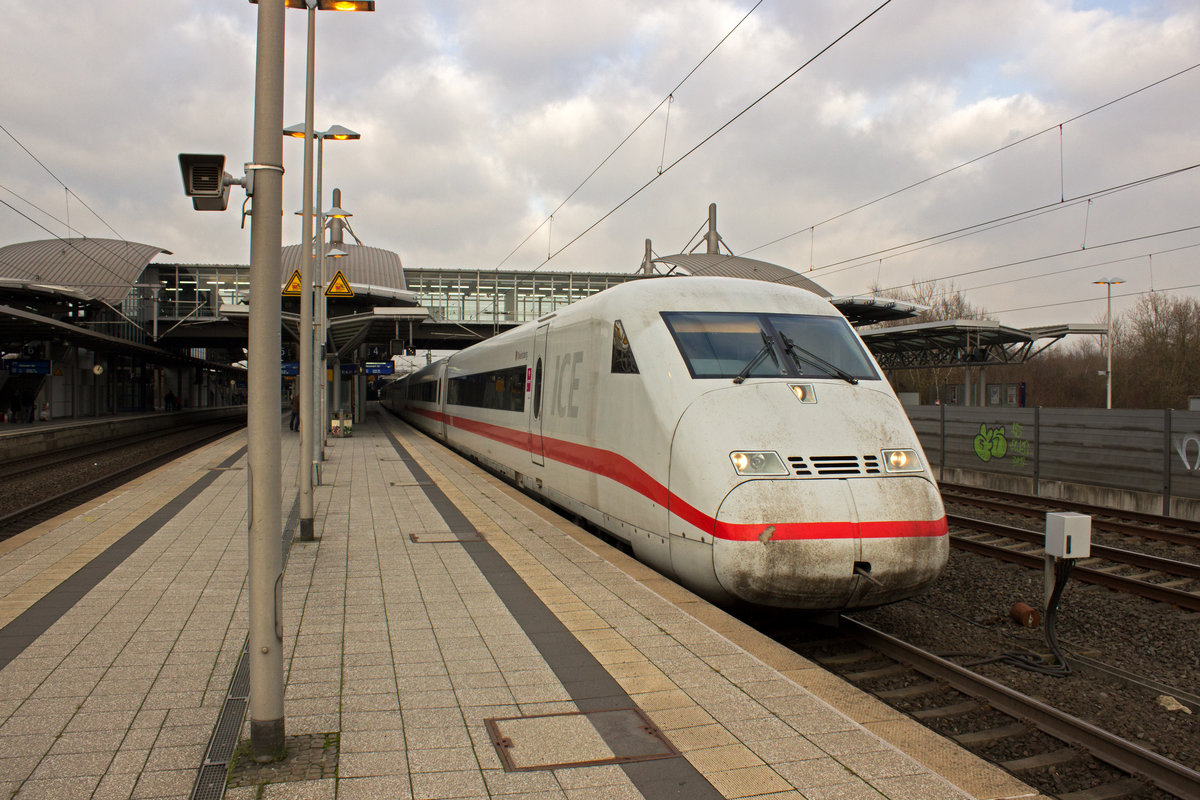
pixel 730 344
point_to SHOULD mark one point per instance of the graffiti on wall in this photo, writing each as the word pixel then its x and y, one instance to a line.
pixel 1188 448
pixel 994 444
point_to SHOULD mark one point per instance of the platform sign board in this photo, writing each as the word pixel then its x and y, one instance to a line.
pixel 294 285
pixel 339 286
pixel 349 370
pixel 380 368
pixel 290 368
pixel 29 367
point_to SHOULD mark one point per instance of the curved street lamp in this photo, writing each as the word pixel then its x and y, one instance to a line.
pixel 264 570
pixel 308 424
pixel 318 318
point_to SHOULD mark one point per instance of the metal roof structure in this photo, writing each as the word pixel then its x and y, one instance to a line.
pixel 964 343
pixel 858 309
pixel 362 265
pixel 730 266
pixel 71 290
pixel 101 269
pixel 18 324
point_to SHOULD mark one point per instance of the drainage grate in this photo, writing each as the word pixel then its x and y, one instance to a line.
pixel 239 687
pixel 577 739
pixel 224 738
pixel 210 785
pixel 210 780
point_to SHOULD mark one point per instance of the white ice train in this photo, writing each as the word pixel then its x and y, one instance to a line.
pixel 736 433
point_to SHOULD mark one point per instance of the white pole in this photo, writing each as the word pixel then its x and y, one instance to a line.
pixel 265 559
pixel 320 334
pixel 305 379
pixel 1108 339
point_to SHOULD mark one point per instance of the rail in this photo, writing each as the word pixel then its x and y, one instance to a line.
pixel 1120 753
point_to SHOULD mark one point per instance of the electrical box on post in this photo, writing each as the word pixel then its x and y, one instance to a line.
pixel 1068 534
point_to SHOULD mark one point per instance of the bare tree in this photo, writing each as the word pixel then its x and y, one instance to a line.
pixel 1155 349
pixel 942 301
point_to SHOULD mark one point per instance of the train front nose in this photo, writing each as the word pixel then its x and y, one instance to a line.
pixel 806 543
pixel 828 526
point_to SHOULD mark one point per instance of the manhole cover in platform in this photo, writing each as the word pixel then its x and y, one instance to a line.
pixel 309 757
pixel 434 537
pixel 578 739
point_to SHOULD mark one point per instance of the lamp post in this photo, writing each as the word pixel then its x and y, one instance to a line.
pixel 317 420
pixel 305 378
pixel 264 559
pixel 334 252
pixel 1108 284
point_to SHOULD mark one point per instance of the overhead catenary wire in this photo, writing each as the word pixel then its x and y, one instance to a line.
pixel 978 158
pixel 98 243
pixel 60 182
pixel 1063 253
pixel 1057 272
pixel 70 243
pixel 1115 295
pixel 669 99
pixel 716 132
pixel 907 248
pixel 67 224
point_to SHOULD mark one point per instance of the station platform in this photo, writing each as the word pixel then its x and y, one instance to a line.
pixel 445 637
pixel 21 439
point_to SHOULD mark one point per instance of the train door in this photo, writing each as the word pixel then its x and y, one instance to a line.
pixel 442 388
pixel 538 379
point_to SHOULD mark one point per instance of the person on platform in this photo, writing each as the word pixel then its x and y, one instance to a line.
pixel 294 422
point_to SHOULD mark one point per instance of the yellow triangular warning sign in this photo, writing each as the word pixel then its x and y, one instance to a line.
pixel 294 285
pixel 339 286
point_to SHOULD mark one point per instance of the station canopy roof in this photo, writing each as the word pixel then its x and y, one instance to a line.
pixel 365 266
pixel 964 342
pixel 92 269
pixel 44 285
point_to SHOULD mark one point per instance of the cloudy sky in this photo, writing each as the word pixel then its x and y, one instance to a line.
pixel 479 119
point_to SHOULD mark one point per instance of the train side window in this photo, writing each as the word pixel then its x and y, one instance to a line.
pixel 623 361
pixel 537 389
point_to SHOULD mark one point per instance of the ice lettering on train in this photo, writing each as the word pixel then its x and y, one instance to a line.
pixel 564 402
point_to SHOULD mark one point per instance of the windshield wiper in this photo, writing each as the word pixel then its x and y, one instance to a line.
pixel 797 352
pixel 767 347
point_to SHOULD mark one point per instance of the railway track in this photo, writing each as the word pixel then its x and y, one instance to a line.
pixel 1088 736
pixel 988 714
pixel 1155 527
pixel 1161 579
pixel 136 456
pixel 44 461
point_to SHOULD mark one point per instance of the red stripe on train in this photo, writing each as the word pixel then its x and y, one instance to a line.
pixel 623 471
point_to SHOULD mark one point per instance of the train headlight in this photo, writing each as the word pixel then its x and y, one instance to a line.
pixel 764 462
pixel 804 392
pixel 901 461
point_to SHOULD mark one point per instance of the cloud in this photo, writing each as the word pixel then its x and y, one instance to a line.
pixel 478 119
